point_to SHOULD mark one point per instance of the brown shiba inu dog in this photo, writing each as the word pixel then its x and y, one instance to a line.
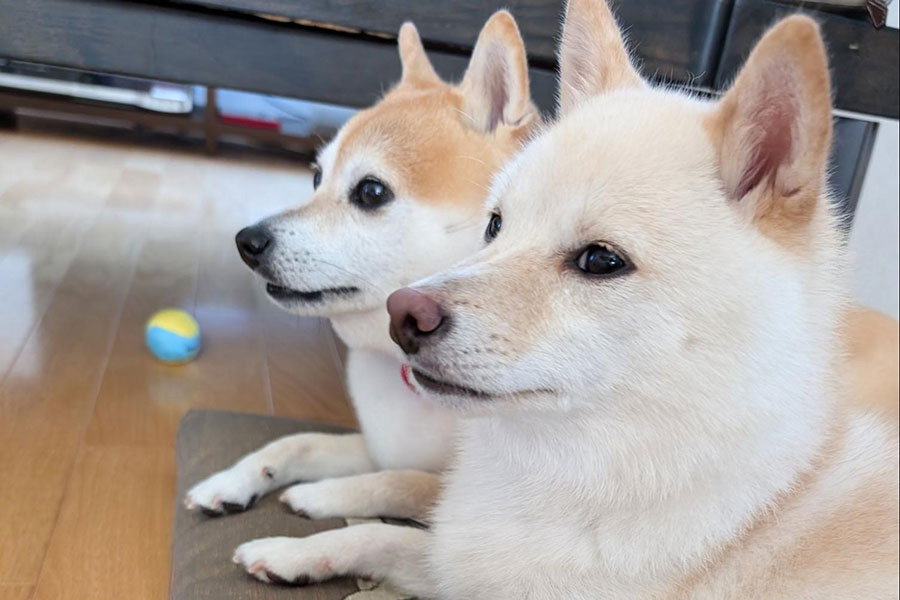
pixel 399 194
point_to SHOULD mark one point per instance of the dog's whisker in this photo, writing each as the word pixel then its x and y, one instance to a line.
pixel 367 281
pixel 464 224
pixel 485 188
pixel 475 158
pixel 465 114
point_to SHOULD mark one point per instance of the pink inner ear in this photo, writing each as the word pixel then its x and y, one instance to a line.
pixel 496 85
pixel 770 123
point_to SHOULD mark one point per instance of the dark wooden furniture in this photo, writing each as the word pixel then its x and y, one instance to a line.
pixel 343 51
pixel 203 121
pixel 864 60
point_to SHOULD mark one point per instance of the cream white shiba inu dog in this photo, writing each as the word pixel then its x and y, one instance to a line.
pixel 399 195
pixel 645 358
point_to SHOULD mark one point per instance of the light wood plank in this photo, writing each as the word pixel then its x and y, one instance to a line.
pixel 15 592
pixel 140 399
pixel 306 378
pixel 107 542
pixel 47 396
pixel 135 189
pixel 29 275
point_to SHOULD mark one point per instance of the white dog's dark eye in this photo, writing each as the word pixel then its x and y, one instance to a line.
pixel 317 176
pixel 370 194
pixel 598 259
pixel 493 227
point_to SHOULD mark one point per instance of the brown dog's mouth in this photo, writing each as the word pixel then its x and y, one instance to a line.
pixel 284 294
pixel 444 387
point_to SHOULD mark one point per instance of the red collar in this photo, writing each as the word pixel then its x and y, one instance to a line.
pixel 405 374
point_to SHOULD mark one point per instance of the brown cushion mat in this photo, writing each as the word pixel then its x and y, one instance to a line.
pixel 209 441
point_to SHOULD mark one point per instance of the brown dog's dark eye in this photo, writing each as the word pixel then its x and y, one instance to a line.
pixel 598 259
pixel 371 193
pixel 493 228
pixel 317 176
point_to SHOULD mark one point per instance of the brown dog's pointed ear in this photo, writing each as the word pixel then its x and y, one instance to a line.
pixel 417 68
pixel 495 86
pixel 592 55
pixel 773 127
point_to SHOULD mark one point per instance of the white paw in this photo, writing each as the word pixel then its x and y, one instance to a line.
pixel 318 500
pixel 284 560
pixel 232 490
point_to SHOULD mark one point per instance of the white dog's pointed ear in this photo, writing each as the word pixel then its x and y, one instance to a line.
pixel 417 68
pixel 593 58
pixel 495 86
pixel 773 127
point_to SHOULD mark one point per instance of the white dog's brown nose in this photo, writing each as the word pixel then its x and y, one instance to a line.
pixel 414 315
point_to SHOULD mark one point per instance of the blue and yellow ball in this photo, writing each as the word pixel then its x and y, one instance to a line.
pixel 173 336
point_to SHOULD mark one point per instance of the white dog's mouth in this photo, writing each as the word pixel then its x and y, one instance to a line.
pixel 283 294
pixel 447 388
pixel 437 386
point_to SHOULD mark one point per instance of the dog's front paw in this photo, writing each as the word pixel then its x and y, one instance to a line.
pixel 229 491
pixel 318 500
pixel 284 560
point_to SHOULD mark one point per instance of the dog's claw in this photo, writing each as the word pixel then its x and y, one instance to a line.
pixel 276 578
pixel 287 504
pixel 300 581
pixel 235 507
pixel 259 567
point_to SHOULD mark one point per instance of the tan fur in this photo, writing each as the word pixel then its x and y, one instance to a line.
pixel 872 346
pixel 439 158
pixel 417 69
pixel 432 132
pixel 803 547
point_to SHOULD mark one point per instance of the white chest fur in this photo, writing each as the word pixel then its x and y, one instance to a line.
pixel 402 429
pixel 545 510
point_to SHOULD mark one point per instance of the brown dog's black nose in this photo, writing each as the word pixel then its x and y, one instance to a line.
pixel 414 315
pixel 252 243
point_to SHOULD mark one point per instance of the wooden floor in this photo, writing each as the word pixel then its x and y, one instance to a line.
pixel 94 236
